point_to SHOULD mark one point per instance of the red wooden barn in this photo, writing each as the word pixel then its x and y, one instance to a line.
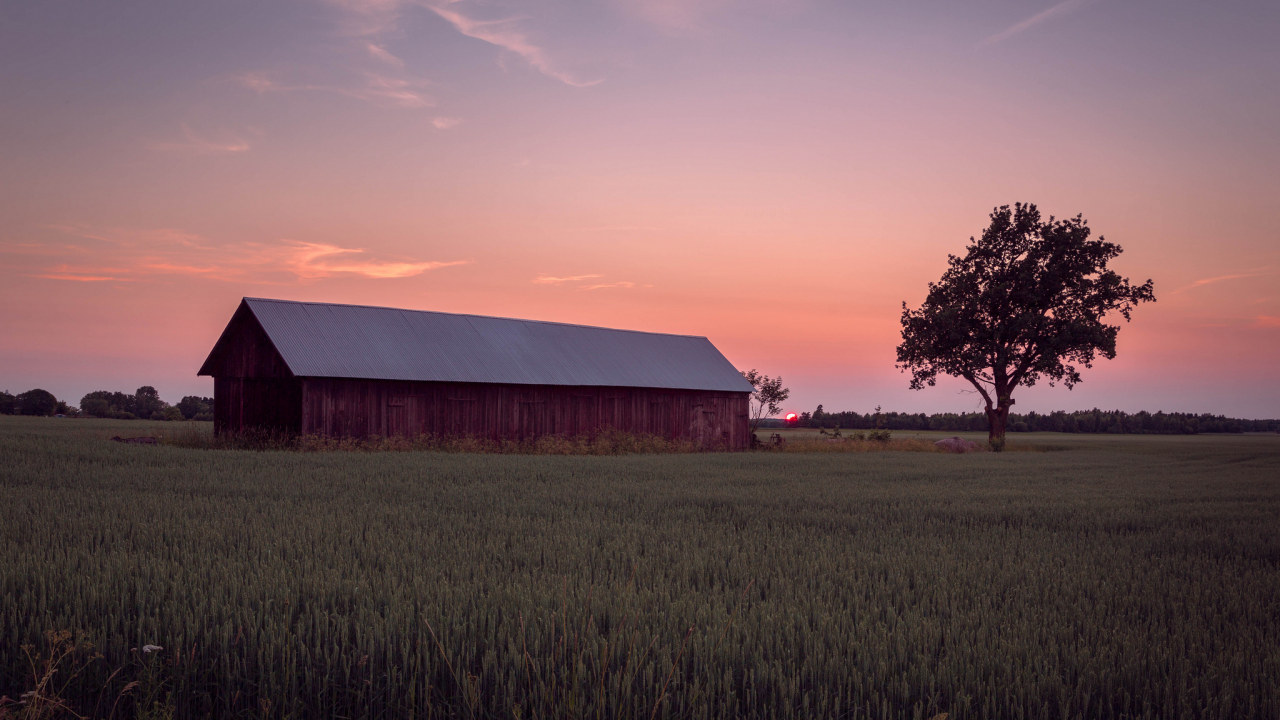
pixel 348 370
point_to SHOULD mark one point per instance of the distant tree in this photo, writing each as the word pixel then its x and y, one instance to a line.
pixel 147 402
pixel 8 403
pixel 37 402
pixel 95 407
pixel 193 405
pixel 767 398
pixel 1026 301
pixel 117 402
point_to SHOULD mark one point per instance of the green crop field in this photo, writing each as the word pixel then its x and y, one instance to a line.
pixel 1117 577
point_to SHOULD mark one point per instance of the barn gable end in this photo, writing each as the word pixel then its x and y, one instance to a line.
pixel 253 386
pixel 245 350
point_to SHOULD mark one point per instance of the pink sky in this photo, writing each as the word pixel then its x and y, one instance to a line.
pixel 778 176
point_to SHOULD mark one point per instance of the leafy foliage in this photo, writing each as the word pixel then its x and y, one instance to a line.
pixel 106 404
pixel 1029 300
pixel 36 402
pixel 767 398
pixel 144 403
pixel 193 405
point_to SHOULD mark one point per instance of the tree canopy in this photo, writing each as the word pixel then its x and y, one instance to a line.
pixel 36 402
pixel 767 398
pixel 1028 301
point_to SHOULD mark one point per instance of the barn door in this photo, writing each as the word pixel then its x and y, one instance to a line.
pixel 405 414
pixel 582 415
pixel 660 418
pixel 531 419
pixel 463 416
pixel 611 412
pixel 710 428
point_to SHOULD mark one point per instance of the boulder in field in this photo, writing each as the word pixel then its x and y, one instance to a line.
pixel 958 445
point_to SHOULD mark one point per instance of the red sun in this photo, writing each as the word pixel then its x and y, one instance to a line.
pixel 791 417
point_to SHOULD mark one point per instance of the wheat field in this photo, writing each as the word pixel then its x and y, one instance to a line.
pixel 1130 577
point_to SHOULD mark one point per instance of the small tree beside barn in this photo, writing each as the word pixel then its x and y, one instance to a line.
pixel 356 371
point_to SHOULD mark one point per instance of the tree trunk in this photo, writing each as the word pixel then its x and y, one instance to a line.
pixel 998 420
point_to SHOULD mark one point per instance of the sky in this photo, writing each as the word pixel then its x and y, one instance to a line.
pixel 777 176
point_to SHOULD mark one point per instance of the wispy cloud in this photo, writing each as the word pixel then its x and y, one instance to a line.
pixel 504 34
pixel 1062 8
pixel 378 52
pixel 318 260
pixel 399 91
pixel 375 87
pixel 368 17
pixel 258 82
pixel 675 15
pixel 74 274
pixel 196 144
pixel 444 123
pixel 549 280
pixel 1267 321
pixel 573 279
pixel 1218 279
pixel 158 254
pixel 616 228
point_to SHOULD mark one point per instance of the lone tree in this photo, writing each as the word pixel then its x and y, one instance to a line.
pixel 1027 301
pixel 766 399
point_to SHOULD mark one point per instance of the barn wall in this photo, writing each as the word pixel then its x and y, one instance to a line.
pixel 359 408
pixel 265 403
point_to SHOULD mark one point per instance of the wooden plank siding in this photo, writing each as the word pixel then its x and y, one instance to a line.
pixel 337 407
pixel 273 404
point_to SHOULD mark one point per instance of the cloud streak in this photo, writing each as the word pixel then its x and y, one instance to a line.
pixel 196 144
pixel 549 280
pixel 1062 8
pixel 503 34
pixel 318 260
pixel 1218 279
pixel 160 254
pixel 376 87
pixel 398 91
pixel 378 52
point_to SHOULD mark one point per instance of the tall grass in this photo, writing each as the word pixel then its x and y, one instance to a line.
pixel 200 436
pixel 1101 583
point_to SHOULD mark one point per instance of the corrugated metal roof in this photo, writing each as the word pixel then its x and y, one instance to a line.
pixel 353 341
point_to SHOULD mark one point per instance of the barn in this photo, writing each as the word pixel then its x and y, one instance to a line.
pixel 357 371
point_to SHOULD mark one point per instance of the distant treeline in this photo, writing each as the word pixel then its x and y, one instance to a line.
pixel 143 403
pixel 1082 421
